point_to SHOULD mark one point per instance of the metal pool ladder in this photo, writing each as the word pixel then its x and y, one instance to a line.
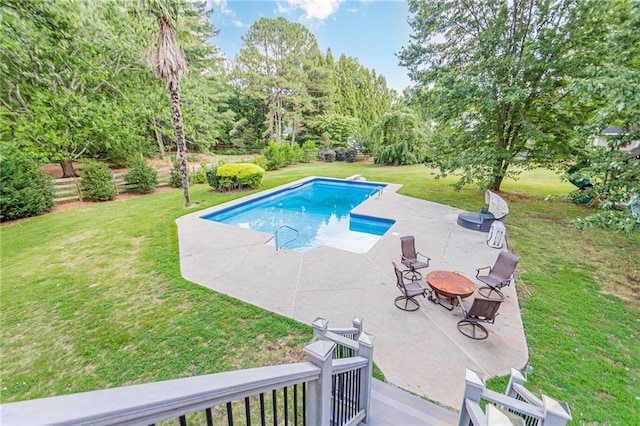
pixel 275 235
pixel 379 190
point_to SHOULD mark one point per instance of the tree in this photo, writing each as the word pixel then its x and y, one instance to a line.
pixel 361 93
pixel 271 68
pixel 169 63
pixel 338 127
pixel 613 87
pixel 496 74
pixel 72 74
pixel 400 138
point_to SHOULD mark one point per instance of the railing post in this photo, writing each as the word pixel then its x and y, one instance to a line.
pixel 320 326
pixel 319 392
pixel 357 324
pixel 555 413
pixel 516 377
pixel 365 350
pixel 473 388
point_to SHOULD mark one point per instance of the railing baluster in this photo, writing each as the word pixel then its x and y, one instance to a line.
pixel 334 400
pixel 295 404
pixel 274 403
pixel 304 403
pixel 229 414
pixel 262 412
pixel 247 411
pixel 358 381
pixel 342 399
pixel 349 392
pixel 286 406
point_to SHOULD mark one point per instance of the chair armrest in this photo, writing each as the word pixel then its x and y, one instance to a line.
pixel 426 257
pixel 480 269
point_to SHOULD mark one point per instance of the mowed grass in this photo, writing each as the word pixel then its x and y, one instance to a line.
pixel 93 297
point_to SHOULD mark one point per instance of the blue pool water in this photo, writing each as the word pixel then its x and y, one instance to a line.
pixel 320 209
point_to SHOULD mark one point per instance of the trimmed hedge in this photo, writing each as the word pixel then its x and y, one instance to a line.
pixel 237 176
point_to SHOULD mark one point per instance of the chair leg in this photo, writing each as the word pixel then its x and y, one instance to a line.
pixel 414 306
pixel 412 274
pixel 473 330
pixel 491 293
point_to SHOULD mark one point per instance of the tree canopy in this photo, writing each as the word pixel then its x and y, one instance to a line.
pixel 74 83
pixel 496 77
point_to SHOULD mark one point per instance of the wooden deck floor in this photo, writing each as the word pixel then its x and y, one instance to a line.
pixel 391 406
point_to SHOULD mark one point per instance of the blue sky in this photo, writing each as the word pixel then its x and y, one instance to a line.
pixel 373 31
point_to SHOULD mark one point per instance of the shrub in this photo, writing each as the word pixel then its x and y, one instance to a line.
pixel 340 153
pixel 25 189
pixel 329 156
pixel 274 155
pixel 200 176
pixel 295 153
pixel 309 151
pixel 350 154
pixel 175 177
pixel 260 161
pixel 239 175
pixel 143 176
pixel 212 177
pixel 97 182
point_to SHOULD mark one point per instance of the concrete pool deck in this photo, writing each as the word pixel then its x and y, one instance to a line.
pixel 420 351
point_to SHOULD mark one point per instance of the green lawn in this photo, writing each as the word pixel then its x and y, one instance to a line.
pixel 93 297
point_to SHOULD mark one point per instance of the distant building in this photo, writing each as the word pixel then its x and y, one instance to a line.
pixel 611 133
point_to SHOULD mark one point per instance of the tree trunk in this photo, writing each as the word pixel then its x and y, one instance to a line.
pixel 67 168
pixel 495 185
pixel 293 134
pixel 156 127
pixel 174 89
pixel 498 177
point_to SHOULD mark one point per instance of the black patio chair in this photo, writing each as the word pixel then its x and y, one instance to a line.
pixel 410 258
pixel 410 290
pixel 480 311
pixel 500 275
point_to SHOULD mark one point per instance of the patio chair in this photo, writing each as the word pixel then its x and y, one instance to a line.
pixel 500 275
pixel 410 290
pixel 410 258
pixel 480 311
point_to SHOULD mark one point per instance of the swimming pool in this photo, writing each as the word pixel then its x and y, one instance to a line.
pixel 319 210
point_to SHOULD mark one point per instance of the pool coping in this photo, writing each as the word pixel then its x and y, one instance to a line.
pixel 418 351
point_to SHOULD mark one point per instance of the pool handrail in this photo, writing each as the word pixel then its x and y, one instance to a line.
pixel 275 235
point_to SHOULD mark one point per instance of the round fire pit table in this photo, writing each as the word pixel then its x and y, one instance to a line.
pixel 447 285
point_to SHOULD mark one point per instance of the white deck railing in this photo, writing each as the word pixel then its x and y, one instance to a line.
pixel 327 387
pixel 517 401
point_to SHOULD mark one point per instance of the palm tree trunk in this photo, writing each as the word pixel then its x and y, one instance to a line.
pixel 174 89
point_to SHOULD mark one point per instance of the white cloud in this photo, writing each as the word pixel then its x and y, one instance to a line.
pixel 313 9
pixel 221 7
